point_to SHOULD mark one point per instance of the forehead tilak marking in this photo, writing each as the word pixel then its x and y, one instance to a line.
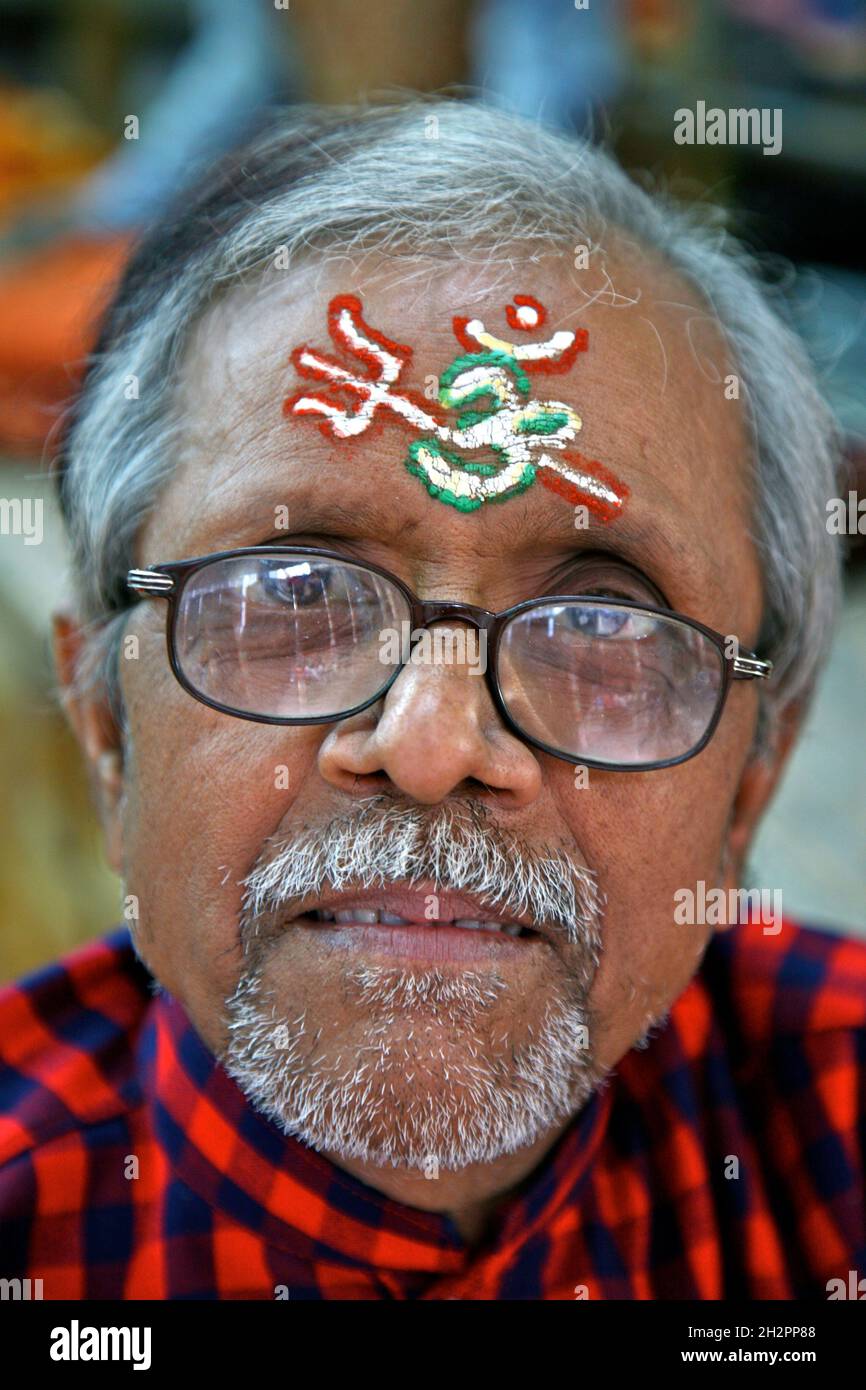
pixel 487 384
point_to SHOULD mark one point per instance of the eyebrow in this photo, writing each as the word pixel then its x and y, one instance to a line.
pixel 363 518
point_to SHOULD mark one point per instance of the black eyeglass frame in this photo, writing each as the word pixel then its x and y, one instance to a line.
pixel 169 580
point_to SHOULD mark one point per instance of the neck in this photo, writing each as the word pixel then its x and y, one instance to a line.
pixel 470 1197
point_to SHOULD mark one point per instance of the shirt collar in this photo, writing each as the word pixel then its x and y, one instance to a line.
pixel 295 1199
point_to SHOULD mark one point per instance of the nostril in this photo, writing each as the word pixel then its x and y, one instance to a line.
pixel 474 785
pixel 366 783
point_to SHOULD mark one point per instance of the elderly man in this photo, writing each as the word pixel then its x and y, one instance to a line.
pixel 450 580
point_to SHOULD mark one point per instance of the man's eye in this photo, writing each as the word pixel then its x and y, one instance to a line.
pixel 598 622
pixel 296 585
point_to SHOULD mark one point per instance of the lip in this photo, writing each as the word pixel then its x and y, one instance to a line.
pixel 420 938
pixel 433 944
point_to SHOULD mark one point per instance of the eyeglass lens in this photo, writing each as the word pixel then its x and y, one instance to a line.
pixel 609 683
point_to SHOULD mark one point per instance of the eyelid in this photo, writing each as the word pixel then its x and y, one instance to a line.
pixel 617 568
pixel 283 539
pixel 306 539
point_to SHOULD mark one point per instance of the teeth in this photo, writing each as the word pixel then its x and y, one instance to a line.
pixel 474 924
pixel 370 916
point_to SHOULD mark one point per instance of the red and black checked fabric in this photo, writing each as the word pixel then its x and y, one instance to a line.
pixel 759 1068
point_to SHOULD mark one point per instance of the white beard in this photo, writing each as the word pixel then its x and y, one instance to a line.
pixel 433 1081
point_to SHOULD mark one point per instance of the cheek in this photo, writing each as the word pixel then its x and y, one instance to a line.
pixel 204 793
pixel 647 835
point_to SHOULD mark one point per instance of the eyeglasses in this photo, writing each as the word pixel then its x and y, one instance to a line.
pixel 299 635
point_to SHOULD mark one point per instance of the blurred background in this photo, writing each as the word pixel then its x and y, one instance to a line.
pixel 107 105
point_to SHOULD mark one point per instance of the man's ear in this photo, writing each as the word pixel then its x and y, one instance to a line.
pixel 757 784
pixel 92 721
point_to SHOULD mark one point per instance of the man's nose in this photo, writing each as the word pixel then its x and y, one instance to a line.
pixel 436 729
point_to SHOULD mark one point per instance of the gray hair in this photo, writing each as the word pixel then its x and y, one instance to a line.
pixel 436 179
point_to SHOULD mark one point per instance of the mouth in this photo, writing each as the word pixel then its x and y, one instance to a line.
pixel 433 926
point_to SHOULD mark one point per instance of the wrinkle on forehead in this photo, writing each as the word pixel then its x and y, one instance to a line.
pixel 648 392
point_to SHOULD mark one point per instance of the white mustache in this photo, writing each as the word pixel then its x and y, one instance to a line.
pixel 381 842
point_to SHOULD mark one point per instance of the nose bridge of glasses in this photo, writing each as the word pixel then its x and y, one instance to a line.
pixel 439 610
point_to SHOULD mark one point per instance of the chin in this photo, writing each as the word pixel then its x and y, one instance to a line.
pixel 419 1069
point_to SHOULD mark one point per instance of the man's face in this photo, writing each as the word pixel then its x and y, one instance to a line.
pixel 368 1047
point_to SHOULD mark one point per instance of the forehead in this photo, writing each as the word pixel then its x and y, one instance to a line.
pixel 649 391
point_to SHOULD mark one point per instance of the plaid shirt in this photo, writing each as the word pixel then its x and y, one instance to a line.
pixel 724 1160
